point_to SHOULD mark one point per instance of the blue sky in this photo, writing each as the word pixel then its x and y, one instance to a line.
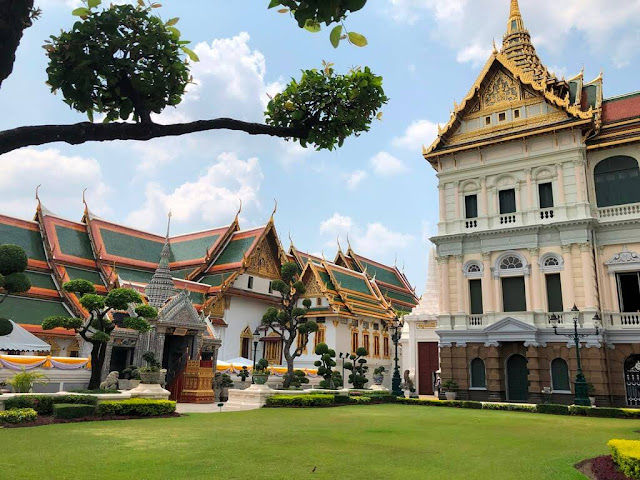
pixel 377 187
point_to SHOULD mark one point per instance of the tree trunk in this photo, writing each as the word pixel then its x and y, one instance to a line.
pixel 97 360
pixel 287 355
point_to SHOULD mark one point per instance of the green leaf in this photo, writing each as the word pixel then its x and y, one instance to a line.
pixel 357 39
pixel 81 12
pixel 175 31
pixel 94 3
pixel 312 26
pixel 334 36
pixel 191 54
pixel 172 21
pixel 274 3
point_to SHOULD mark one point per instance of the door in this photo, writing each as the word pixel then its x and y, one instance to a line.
pixel 632 380
pixel 517 379
pixel 428 364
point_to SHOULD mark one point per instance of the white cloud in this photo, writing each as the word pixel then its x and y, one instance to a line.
pixel 607 26
pixel 385 164
pixel 374 240
pixel 63 178
pixel 355 178
pixel 211 199
pixel 418 133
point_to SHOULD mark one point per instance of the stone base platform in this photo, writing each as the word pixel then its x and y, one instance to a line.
pixel 152 391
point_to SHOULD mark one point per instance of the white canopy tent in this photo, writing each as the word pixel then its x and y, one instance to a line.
pixel 22 341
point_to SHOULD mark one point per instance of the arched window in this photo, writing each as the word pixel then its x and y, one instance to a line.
pixel 478 376
pixel 512 267
pixel 617 181
pixel 560 375
pixel 245 342
pixel 511 262
pixel 473 269
pixel 551 262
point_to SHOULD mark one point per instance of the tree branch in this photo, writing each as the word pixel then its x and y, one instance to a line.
pixel 15 17
pixel 99 132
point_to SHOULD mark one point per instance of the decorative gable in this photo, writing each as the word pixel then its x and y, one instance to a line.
pixel 264 260
pixel 179 312
pixel 502 89
pixel 510 325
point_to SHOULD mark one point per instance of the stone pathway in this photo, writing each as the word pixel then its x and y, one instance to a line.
pixel 210 408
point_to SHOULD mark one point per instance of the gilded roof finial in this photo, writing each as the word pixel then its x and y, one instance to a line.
pixel 291 240
pixel 37 197
pixel 239 210
pixel 275 209
pixel 495 49
pixel 168 226
pixel 515 10
pixel 84 200
pixel 348 242
pixel 338 241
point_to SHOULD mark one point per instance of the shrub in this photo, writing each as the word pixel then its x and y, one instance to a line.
pixel 23 381
pixel 597 412
pixel 18 415
pixel 626 454
pixel 360 400
pixel 96 391
pixel 441 403
pixel 136 407
pixel 310 400
pixel 342 399
pixel 510 407
pixel 43 404
pixel 72 410
pixel 553 409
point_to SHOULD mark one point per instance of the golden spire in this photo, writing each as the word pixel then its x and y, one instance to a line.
pixel 517 46
pixel 515 18
pixel 515 9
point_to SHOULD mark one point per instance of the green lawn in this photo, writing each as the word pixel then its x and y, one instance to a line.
pixel 355 442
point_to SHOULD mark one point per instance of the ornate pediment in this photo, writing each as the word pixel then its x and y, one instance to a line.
pixel 502 89
pixel 180 312
pixel 624 261
pixel 510 325
pixel 313 287
pixel 263 261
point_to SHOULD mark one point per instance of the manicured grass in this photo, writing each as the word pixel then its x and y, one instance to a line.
pixel 354 442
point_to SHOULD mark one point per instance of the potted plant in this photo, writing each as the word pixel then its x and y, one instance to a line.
pixel 261 374
pixel 129 378
pixel 150 373
pixel 224 383
pixel 592 393
pixel 450 389
pixel 24 381
pixel 243 374
pixel 378 375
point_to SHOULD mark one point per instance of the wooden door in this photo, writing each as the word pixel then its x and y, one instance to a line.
pixel 428 364
pixel 517 379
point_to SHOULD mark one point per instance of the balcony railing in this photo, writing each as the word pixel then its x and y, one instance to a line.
pixel 624 320
pixel 618 212
pixel 546 214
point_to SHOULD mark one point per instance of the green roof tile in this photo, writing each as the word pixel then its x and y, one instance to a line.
pixel 136 276
pixel 196 297
pixel 30 240
pixel 382 274
pixel 41 280
pixel 182 273
pixel 400 296
pixel 401 308
pixel 192 249
pixel 215 280
pixel 92 276
pixel 351 283
pixel 74 242
pixel 327 280
pixel 129 246
pixel 30 310
pixel 234 251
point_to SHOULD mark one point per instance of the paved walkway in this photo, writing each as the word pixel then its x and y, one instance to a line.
pixel 210 408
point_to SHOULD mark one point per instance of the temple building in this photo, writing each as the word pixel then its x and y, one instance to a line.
pixel 211 289
pixel 539 195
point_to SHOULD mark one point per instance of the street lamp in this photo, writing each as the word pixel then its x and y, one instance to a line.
pixel 581 389
pixel 256 339
pixel 396 381
pixel 344 359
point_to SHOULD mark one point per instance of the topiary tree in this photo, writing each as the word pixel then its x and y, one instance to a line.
pixel 289 321
pixel 299 379
pixel 325 365
pixel 358 368
pixel 124 62
pixel 13 280
pixel 98 327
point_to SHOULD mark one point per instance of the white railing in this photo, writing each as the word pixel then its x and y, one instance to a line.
pixel 624 320
pixel 547 214
pixel 616 211
pixel 475 320
pixel 470 223
pixel 508 219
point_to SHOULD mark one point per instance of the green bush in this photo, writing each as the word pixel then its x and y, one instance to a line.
pixel 43 404
pixel 441 403
pixel 510 407
pixel 96 391
pixel 553 409
pixel 18 415
pixel 310 400
pixel 73 410
pixel 597 412
pixel 360 400
pixel 342 399
pixel 136 407
pixel 626 455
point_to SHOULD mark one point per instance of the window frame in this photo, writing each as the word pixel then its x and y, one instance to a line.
pixel 471 376
pixel 250 282
pixel 553 390
pixel 545 184
pixel 466 206
pixel 515 200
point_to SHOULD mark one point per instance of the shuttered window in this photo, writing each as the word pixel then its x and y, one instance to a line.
pixel 513 297
pixel 475 294
pixel 471 206
pixel 507 201
pixel 478 378
pixel 617 181
pixel 554 293
pixel 560 375
pixel 545 192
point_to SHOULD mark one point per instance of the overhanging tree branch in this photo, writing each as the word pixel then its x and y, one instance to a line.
pixel 100 132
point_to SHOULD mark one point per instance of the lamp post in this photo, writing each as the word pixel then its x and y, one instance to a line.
pixel 396 381
pixel 343 360
pixel 581 389
pixel 256 339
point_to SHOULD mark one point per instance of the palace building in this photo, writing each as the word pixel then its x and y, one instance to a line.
pixel 539 195
pixel 211 289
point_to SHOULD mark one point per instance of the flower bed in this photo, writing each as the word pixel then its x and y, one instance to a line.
pixel 18 416
pixel 43 404
pixel 601 468
pixel 626 455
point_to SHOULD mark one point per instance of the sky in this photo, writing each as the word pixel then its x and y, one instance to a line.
pixel 377 188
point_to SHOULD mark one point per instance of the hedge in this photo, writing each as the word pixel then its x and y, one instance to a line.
pixel 604 412
pixel 136 407
pixel 73 410
pixel 626 454
pixel 43 404
pixel 441 403
pixel 18 415
pixel 552 408
pixel 307 400
pixel 510 407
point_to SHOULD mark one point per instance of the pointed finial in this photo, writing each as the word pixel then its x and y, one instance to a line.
pixel 338 241
pixel 515 9
pixel 37 197
pixel 291 239
pixel 348 242
pixel 275 209
pixel 84 200
pixel 495 49
pixel 239 209
pixel 395 259
pixel 373 279
pixel 168 225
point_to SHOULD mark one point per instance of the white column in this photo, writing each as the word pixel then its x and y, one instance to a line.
pixel 497 293
pixel 529 189
pixel 588 274
pixel 457 194
pixel 487 284
pixel 461 294
pixel 560 170
pixel 444 283
pixel 580 186
pixel 536 280
pixel 484 197
pixel 613 290
pixel 567 278
pixel 527 291
pixel 443 206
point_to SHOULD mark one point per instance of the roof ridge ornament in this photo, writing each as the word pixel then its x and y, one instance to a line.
pixel 338 241
pixel 169 215
pixel 275 209
pixel 239 210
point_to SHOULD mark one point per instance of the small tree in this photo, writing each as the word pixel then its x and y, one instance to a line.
pixel 13 280
pixel 299 379
pixel 358 368
pixel 98 327
pixel 289 321
pixel 325 365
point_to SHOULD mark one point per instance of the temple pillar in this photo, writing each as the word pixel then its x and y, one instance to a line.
pixel 580 187
pixel 107 361
pixel 442 200
pixel 460 294
pixel 536 280
pixel 588 275
pixel 567 278
pixel 445 299
pixel 561 197
pixel 487 284
pixel 533 365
